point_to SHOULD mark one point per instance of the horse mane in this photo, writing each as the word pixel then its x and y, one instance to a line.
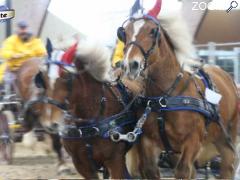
pixel 95 58
pixel 180 38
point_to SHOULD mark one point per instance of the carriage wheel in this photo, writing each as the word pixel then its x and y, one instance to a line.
pixel 6 144
pixel 7 152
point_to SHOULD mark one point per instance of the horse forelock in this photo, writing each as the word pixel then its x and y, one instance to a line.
pixel 95 58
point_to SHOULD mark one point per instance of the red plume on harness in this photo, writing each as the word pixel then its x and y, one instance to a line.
pixel 156 9
pixel 68 56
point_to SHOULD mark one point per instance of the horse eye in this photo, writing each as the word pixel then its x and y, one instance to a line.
pixel 153 32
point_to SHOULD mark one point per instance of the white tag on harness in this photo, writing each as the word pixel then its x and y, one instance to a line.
pixel 212 96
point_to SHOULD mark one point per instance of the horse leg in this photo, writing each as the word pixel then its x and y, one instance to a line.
pixel 132 161
pixel 227 161
pixel 190 149
pixel 226 153
pixel 117 167
pixel 148 157
pixel 84 167
pixel 57 147
pixel 80 159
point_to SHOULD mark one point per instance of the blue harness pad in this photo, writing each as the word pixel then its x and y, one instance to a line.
pixel 100 126
pixel 96 127
pixel 179 103
pixel 184 103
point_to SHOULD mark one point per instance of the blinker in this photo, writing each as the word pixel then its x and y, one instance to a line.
pixel 121 34
pixel 39 80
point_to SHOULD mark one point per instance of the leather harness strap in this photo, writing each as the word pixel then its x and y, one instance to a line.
pixel 163 134
pixel 185 103
pixel 91 128
pixel 178 103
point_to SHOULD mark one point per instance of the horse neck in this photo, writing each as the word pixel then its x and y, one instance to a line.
pixel 88 93
pixel 164 69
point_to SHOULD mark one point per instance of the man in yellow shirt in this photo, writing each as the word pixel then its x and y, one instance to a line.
pixel 17 49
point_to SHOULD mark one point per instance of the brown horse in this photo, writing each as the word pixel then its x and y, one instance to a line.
pixel 90 100
pixel 28 91
pixel 155 49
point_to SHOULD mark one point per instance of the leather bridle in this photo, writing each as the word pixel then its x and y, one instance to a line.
pixel 156 36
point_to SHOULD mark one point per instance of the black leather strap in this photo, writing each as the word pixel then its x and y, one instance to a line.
pixel 91 127
pixel 163 135
pixel 46 100
pixel 178 103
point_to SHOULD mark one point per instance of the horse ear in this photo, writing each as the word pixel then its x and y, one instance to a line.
pixel 156 9
pixel 49 48
pixel 39 80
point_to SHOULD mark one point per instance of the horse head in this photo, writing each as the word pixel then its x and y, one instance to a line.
pixel 51 82
pixel 141 36
pixel 164 42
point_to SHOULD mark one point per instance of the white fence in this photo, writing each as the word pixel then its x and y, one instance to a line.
pixel 226 55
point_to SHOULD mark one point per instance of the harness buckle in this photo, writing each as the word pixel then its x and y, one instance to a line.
pixel 149 103
pixel 97 131
pixel 180 75
pixel 131 137
pixel 115 136
pixel 162 102
pixel 80 133
pixel 103 99
pixel 67 116
pixel 186 101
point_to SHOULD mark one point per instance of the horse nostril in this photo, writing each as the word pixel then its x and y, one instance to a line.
pixel 54 126
pixel 134 65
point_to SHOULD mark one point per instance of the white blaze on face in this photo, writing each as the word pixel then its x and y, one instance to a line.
pixel 53 73
pixel 136 28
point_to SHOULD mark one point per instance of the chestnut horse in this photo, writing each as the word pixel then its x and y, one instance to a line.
pixel 28 91
pixel 90 100
pixel 155 49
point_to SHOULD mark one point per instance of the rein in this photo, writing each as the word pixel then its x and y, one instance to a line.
pixel 169 91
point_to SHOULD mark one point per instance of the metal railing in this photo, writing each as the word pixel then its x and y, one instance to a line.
pixel 226 55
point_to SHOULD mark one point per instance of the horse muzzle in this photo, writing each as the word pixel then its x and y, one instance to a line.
pixel 52 128
pixel 134 69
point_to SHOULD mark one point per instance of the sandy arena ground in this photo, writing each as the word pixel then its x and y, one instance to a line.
pixel 41 163
pixel 34 163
